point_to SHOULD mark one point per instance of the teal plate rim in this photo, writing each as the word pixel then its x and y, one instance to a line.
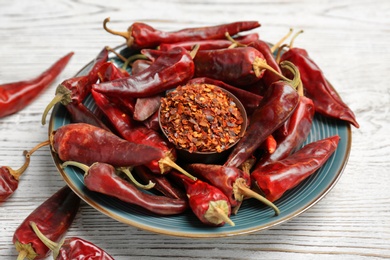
pixel 250 218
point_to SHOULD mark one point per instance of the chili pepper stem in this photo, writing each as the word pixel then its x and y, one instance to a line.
pixel 296 81
pixel 133 58
pixel 234 42
pixel 241 188
pixel 277 45
pixel 168 161
pixel 279 53
pixel 260 64
pixel 128 173
pixel 17 173
pixel 126 35
pixel 63 95
pixel 53 246
pixel 82 166
pixel 116 53
pixel 217 212
pixel 293 39
pixel 194 51
pixel 25 250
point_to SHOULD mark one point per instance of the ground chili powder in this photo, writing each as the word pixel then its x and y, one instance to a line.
pixel 200 118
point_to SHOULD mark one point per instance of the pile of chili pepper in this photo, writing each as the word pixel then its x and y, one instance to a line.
pixel 121 144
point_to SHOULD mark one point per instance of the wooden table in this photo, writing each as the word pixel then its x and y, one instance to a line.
pixel 348 39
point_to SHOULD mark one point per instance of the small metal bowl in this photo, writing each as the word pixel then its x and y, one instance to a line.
pixel 210 157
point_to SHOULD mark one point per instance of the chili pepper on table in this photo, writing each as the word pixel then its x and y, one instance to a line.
pixel 207 202
pixel 17 95
pixel 169 70
pixel 140 35
pixel 249 100
pixel 75 90
pixel 326 99
pixel 71 247
pixel 233 182
pixel 9 178
pixel 102 178
pixel 211 44
pixel 53 217
pixel 277 105
pixel 275 178
pixel 293 133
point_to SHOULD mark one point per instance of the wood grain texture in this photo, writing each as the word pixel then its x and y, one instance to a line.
pixel 348 39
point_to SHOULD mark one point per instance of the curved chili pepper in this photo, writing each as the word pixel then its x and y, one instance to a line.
pixel 211 44
pixel 236 66
pixel 9 178
pixel 76 89
pixel 249 100
pixel 162 183
pixel 277 105
pixel 72 247
pixel 326 99
pixel 102 178
pixel 275 178
pixel 172 68
pixel 207 202
pixel 17 95
pixel 88 144
pixel 79 113
pixel 141 35
pixel 234 183
pixel 53 217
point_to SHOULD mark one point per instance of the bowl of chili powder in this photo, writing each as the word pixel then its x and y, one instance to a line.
pixel 203 121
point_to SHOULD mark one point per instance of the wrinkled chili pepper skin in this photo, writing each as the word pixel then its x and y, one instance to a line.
pixel 249 100
pixel 210 44
pixel 326 100
pixel 99 60
pixel 145 36
pixel 101 177
pixel 8 183
pixel 221 177
pixel 108 72
pixel 140 65
pixel 277 105
pixel 87 144
pixel 233 66
pixel 145 107
pixel 295 132
pixel 276 178
pixel 171 69
pixel 79 113
pixel 17 95
pixel 77 248
pixel 53 217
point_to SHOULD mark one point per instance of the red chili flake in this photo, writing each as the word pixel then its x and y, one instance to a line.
pixel 200 118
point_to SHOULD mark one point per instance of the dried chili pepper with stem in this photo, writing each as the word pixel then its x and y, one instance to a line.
pixel 325 98
pixel 75 90
pixel 102 178
pixel 140 35
pixel 9 178
pixel 71 247
pixel 207 202
pixel 275 178
pixel 129 174
pixel 233 182
pixel 169 70
pixel 53 217
pixel 17 95
pixel 277 105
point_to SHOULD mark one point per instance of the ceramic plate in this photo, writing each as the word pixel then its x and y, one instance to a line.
pixel 251 217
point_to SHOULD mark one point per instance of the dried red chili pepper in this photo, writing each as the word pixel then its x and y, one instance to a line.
pixel 102 178
pixel 233 182
pixel 277 105
pixel 88 144
pixel 79 113
pixel 147 106
pixel 326 99
pixel 108 71
pixel 207 202
pixel 141 35
pixel 17 95
pixel 140 65
pixel 162 183
pixel 172 68
pixel 53 217
pixel 75 90
pixel 275 178
pixel 211 44
pixel 293 133
pixel 249 100
pixel 9 178
pixel 72 247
